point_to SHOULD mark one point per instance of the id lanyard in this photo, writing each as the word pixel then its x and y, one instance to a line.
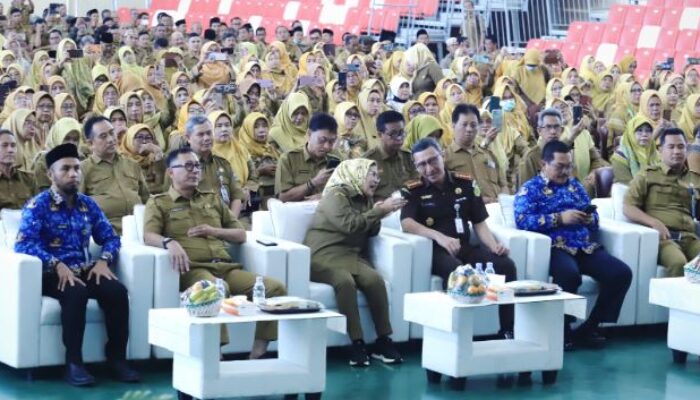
pixel 459 224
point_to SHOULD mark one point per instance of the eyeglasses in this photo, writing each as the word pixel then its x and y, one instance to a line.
pixel 144 138
pixel 352 115
pixel 416 111
pixel 433 162
pixel 321 140
pixel 636 90
pixel 550 127
pixel 45 107
pixel 567 168
pixel 396 135
pixel 188 166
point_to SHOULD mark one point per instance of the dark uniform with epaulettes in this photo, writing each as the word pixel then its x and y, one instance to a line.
pixel 448 211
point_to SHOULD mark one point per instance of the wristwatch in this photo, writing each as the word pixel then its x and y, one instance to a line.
pixel 106 257
pixel 165 242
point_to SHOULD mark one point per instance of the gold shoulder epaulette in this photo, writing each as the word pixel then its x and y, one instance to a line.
pixel 461 175
pixel 413 183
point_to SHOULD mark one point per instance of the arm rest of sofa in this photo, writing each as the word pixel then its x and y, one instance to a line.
pixel 269 261
pixel 421 258
pixel 515 241
pixel 298 262
pixel 20 312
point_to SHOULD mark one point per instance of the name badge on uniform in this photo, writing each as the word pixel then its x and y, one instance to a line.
pixel 459 224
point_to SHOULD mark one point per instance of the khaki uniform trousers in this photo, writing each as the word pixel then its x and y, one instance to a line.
pixel 238 282
pixel 675 254
pixel 345 282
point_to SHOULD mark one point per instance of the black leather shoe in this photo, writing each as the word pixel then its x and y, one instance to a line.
pixel 589 340
pixel 77 375
pixel 123 373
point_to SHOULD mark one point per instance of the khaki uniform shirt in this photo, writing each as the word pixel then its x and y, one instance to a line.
pixel 394 171
pixel 116 186
pixel 155 176
pixel 16 189
pixel 171 215
pixel 296 167
pixel 340 230
pixel 664 195
pixel 218 177
pixel 480 164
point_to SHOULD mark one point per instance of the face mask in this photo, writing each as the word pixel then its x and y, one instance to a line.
pixel 508 105
pixel 531 68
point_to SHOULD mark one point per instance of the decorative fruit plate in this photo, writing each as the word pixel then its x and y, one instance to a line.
pixel 290 305
pixel 533 288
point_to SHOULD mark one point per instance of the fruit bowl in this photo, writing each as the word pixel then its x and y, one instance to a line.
pixel 466 298
pixel 207 309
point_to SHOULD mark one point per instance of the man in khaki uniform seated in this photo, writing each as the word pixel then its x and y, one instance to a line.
pixel 664 197
pixel 302 173
pixel 16 187
pixel 464 156
pixel 116 183
pixel 394 163
pixel 195 228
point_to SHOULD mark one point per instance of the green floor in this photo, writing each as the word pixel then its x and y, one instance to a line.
pixel 634 366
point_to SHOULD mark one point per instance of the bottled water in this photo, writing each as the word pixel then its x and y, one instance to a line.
pixel 489 268
pixel 259 291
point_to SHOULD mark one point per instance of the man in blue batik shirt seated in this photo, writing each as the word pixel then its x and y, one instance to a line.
pixel 56 228
pixel 556 204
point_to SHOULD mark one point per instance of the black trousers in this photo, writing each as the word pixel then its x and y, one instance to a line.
pixel 112 297
pixel 613 277
pixel 444 263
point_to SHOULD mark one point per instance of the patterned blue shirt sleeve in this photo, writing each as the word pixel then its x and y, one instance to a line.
pixel 102 230
pixel 528 215
pixel 29 240
pixel 585 200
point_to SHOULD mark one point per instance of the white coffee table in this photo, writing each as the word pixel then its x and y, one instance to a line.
pixel 198 371
pixel 449 349
pixel 683 301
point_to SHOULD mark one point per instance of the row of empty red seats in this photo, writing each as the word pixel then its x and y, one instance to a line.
pixel 341 16
pixel 653 32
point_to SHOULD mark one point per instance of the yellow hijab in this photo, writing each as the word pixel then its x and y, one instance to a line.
pixel 644 103
pixel 440 90
pixel 287 135
pixel 60 130
pixel 350 173
pixel 33 79
pixel 531 83
pixel 516 118
pixel 473 94
pixel 663 93
pixel 329 93
pixel 212 72
pixel 389 68
pixel 99 105
pixel 549 96
pixel 506 137
pixel 417 55
pixel 183 116
pixel 134 67
pixel 368 123
pixel 27 149
pixel 233 151
pixel 58 103
pixel 127 149
pixel 407 107
pixel 630 153
pixel 582 146
pixel 587 72
pixel 247 137
pixel 602 99
pixel 625 63
pixel 419 128
pixel 689 119
pixel 124 100
pixel 446 112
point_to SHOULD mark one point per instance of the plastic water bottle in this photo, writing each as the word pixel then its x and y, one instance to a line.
pixel 259 291
pixel 489 268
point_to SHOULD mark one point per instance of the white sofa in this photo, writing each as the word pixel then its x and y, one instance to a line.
pixel 31 323
pixel 647 260
pixel 620 240
pixel 262 260
pixel 389 255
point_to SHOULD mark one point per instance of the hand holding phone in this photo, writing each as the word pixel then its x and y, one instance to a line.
pixel 590 209
pixel 332 163
pixel 497 119
pixel 578 114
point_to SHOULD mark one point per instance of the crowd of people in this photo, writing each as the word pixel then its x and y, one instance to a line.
pixel 205 124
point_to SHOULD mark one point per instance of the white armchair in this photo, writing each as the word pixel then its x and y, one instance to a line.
pixel 647 259
pixel 622 241
pixel 32 323
pixel 422 280
pixel 389 256
pixel 262 260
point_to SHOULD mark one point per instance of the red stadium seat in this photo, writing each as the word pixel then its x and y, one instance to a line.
pixel 612 34
pixel 629 37
pixel 634 16
pixel 686 40
pixel 205 6
pixel 672 18
pixel 616 14
pixel 667 39
pixel 577 31
pixel 594 33
pixel 645 59
pixel 535 44
pixel 553 44
pixel 570 53
pixel 624 51
pixel 682 59
pixel 653 16
pixel 691 3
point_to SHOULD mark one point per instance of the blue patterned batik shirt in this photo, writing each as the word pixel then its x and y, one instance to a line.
pixel 538 205
pixel 54 232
